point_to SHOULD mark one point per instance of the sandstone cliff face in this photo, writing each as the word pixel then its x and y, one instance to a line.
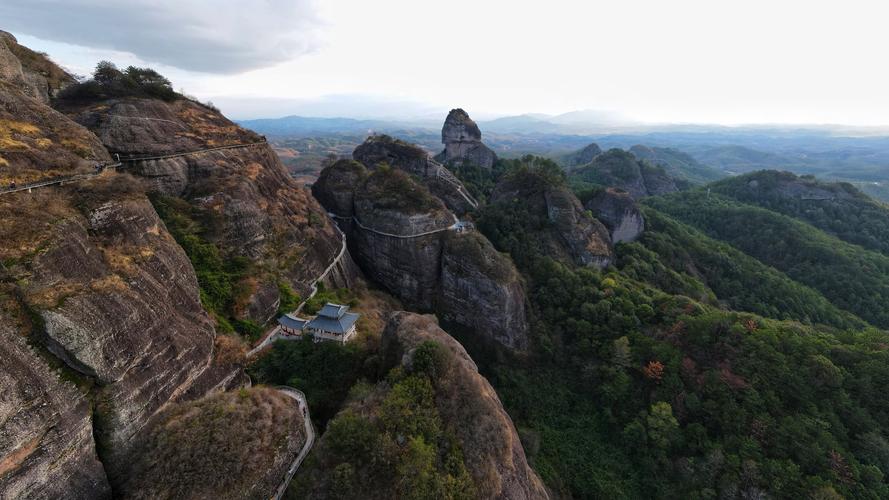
pixel 335 187
pixel 31 72
pixel 46 441
pixel 120 304
pixel 469 405
pixel 618 168
pixel 261 213
pixel 457 274
pixel 480 287
pixel 463 142
pixel 37 142
pixel 570 235
pixel 384 150
pixel 620 214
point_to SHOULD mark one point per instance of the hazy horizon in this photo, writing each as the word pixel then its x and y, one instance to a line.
pixel 686 62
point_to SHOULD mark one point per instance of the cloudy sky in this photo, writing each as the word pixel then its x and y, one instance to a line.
pixel 707 61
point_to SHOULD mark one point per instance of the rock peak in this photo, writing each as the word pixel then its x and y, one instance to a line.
pixel 463 141
pixel 459 127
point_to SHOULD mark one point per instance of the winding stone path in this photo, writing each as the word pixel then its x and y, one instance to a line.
pixel 275 333
pixel 310 437
pixel 453 227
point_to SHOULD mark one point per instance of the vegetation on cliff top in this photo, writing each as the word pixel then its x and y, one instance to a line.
pixel 393 189
pixel 221 446
pixel 391 441
pixel 852 278
pixel 108 82
pixel 634 392
pixel 849 214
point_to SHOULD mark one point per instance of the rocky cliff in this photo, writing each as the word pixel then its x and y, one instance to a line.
pixel 46 441
pixel 566 232
pixel 468 405
pixel 117 298
pixel 618 211
pixel 405 239
pixel 255 209
pixel 384 150
pixel 39 143
pixel 105 296
pixel 463 142
pixel 581 157
pixel 619 168
pixel 31 72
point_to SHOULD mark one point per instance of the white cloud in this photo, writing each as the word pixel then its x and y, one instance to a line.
pixel 212 36
pixel 731 62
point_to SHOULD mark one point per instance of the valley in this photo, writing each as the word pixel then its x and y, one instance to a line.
pixel 520 308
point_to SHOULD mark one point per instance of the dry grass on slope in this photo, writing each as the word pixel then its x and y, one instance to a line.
pixel 228 445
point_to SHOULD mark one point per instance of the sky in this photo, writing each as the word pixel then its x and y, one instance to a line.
pixel 678 61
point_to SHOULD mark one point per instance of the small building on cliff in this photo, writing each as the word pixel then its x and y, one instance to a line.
pixel 334 323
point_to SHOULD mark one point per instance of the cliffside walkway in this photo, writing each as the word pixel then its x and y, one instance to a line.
pixel 132 158
pixel 458 225
pixel 446 175
pixel 275 332
pixel 310 437
pixel 58 181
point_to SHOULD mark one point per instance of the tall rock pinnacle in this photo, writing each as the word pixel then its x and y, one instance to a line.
pixel 463 142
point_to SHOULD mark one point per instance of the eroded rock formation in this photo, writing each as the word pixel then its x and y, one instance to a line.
pixel 569 234
pixel 463 142
pixel 618 211
pixel 46 435
pixel 31 72
pixel 259 212
pixel 619 168
pixel 384 150
pixel 468 404
pixel 405 239
pixel 582 157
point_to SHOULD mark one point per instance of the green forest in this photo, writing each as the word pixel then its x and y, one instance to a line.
pixel 642 386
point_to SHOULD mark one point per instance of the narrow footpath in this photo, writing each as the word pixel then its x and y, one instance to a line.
pixel 310 437
pixel 275 332
pixel 58 181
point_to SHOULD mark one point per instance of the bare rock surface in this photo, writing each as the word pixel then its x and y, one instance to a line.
pixel 46 441
pixel 457 274
pixel 261 213
pixel 120 303
pixel 463 142
pixel 618 211
pixel 31 72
